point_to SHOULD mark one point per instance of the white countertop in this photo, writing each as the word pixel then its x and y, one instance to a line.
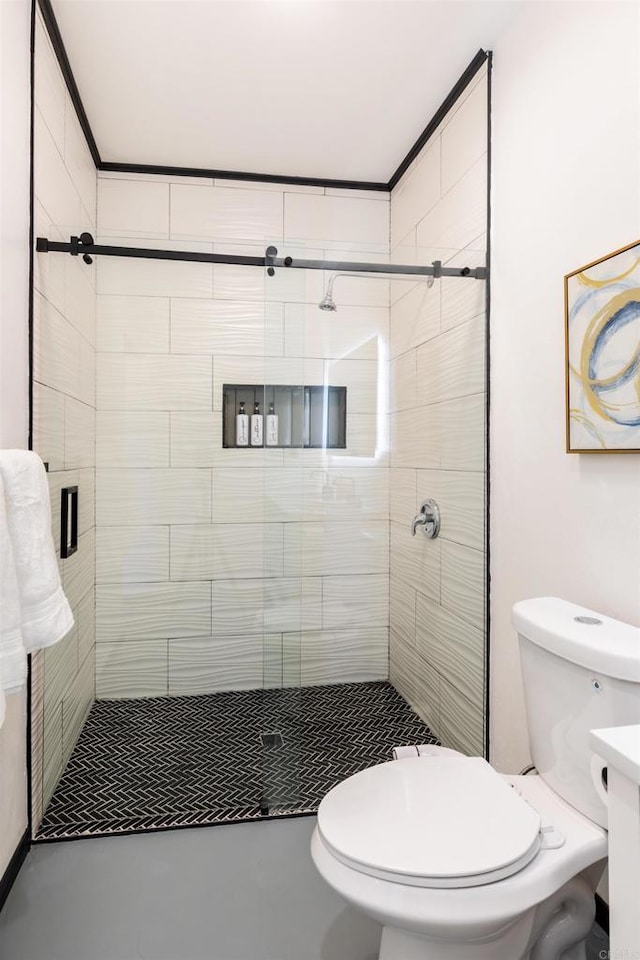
pixel 620 747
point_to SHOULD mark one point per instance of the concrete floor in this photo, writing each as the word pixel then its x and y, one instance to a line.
pixel 241 892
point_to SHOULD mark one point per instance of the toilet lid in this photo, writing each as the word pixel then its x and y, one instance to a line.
pixel 431 822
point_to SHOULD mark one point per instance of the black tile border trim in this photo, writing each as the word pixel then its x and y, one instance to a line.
pixel 487 427
pixel 454 94
pixel 55 36
pixel 13 869
pixel 284 813
pixel 602 914
pixel 30 334
pixel 153 169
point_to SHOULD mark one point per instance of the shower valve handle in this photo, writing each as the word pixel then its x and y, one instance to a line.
pixel 428 519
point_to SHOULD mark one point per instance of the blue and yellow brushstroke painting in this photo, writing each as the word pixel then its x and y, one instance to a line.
pixel 603 312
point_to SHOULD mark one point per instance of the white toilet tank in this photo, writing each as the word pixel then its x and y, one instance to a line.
pixel 581 671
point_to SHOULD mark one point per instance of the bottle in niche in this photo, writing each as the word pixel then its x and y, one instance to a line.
pixel 256 426
pixel 271 438
pixel 242 427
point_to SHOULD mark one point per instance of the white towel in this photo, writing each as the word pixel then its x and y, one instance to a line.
pixel 424 750
pixel 13 658
pixel 46 614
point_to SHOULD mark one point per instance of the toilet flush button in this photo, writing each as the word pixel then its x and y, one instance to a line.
pixel 551 838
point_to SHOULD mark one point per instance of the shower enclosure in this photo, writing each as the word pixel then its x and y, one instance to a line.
pixel 264 623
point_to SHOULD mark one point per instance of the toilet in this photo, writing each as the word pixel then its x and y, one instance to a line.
pixel 459 862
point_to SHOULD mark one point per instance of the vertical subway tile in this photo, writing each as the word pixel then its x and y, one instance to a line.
pixel 461 721
pixel 86 499
pixel 402 610
pixel 427 703
pixel 152 382
pixel 49 86
pixel 146 611
pixel 133 208
pixel 132 554
pixel 453 364
pixel 132 324
pixel 226 551
pixel 224 213
pixel 76 704
pixel 80 165
pixel 464 138
pixel 79 434
pixel 402 666
pixel 336 220
pixel 355 601
pixel 461 215
pixel 48 425
pixel 415 560
pixel 54 187
pixel 461 424
pixel 403 495
pixel 134 668
pixel 153 497
pixel 128 439
pixel 452 645
pixel 343 656
pixel 56 349
pixel 417 193
pixel 154 278
pixel 201 665
pixel 464 582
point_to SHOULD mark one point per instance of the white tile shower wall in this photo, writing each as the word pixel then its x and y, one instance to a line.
pixel 221 568
pixel 437 411
pixel 64 410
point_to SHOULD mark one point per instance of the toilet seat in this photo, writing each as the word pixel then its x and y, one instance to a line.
pixel 430 822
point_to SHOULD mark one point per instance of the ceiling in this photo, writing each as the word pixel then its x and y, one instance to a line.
pixel 335 89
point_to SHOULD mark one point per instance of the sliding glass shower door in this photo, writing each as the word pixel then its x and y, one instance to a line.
pixel 243 518
pixel 324 515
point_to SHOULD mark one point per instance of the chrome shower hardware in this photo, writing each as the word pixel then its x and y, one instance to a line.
pixel 428 519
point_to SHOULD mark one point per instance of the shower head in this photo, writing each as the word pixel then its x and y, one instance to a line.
pixel 328 303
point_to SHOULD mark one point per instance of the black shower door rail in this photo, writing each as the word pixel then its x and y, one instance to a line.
pixel 84 246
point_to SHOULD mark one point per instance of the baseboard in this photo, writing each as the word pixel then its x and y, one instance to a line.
pixel 602 914
pixel 13 869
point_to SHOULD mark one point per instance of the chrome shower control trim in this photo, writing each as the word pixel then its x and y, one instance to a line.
pixel 428 519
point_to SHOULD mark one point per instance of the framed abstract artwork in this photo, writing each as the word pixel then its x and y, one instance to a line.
pixel 602 315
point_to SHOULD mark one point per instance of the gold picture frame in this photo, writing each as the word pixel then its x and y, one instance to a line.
pixel 602 352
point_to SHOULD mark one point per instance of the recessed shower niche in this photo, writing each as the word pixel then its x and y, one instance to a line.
pixel 307 416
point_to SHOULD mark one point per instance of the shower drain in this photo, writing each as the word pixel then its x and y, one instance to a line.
pixel 271 739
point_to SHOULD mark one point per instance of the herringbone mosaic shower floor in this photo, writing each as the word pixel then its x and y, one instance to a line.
pixel 186 761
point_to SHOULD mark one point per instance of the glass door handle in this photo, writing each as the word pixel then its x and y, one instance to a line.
pixel 428 519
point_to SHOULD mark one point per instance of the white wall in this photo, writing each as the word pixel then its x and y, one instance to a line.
pixel 14 312
pixel 566 177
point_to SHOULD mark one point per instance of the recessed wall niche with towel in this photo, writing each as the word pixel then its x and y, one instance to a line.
pixel 308 416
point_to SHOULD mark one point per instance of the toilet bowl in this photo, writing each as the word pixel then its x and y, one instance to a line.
pixel 460 863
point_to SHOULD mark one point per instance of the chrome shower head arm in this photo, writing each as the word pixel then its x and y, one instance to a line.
pixel 328 303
